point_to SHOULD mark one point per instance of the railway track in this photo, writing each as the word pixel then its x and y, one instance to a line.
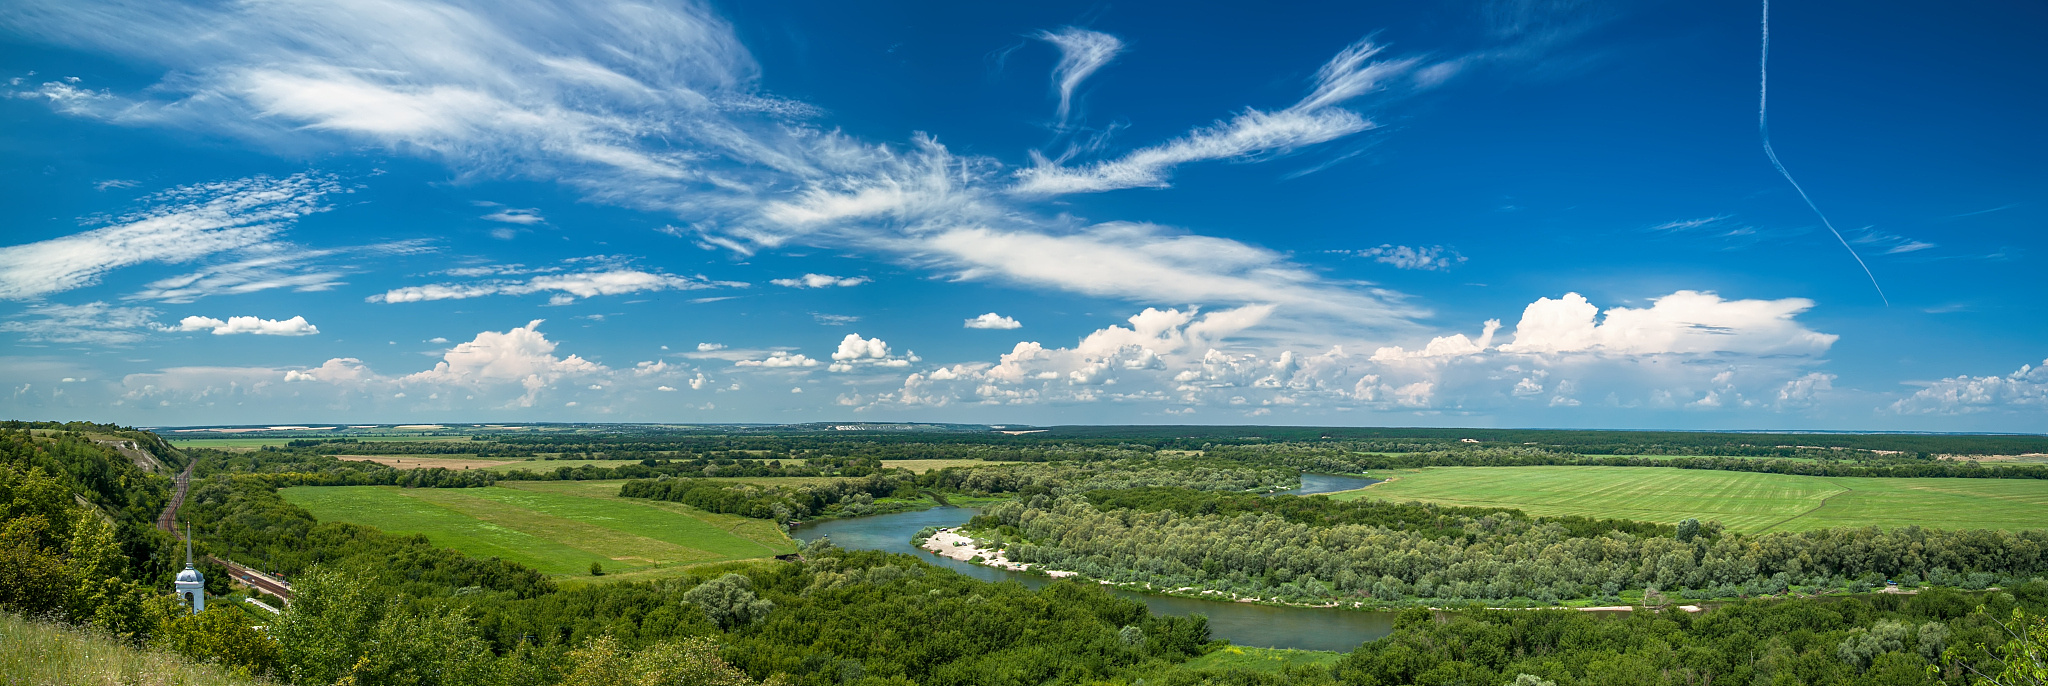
pixel 166 522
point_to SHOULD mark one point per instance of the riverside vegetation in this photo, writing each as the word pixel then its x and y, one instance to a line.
pixel 373 607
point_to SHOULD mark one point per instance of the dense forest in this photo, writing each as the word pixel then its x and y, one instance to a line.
pixel 1315 550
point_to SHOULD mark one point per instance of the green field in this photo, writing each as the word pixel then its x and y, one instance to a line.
pixel 1259 659
pixel 557 527
pixel 1743 501
pixel 253 442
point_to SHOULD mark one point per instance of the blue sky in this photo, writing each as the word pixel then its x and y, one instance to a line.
pixel 1532 213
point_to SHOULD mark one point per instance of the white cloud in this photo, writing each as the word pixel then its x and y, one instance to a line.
pixel 1683 322
pixel 778 359
pixel 1082 52
pixel 710 347
pixel 181 224
pixel 93 323
pixel 522 217
pixel 296 326
pixel 1453 345
pixel 1432 258
pixel 993 321
pixel 855 351
pixel 835 319
pixel 523 356
pixel 570 286
pixel 821 281
pixel 1251 134
pixel 2021 390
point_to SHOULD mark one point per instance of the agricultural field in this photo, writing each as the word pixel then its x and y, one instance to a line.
pixel 1743 501
pixel 455 462
pixel 556 527
pixel 922 466
pixel 254 442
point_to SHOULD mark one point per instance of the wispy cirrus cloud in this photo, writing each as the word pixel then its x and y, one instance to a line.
pixel 1082 52
pixel 96 323
pixel 1252 134
pixel 566 287
pixel 821 281
pixel 659 108
pixel 179 225
pixel 1433 258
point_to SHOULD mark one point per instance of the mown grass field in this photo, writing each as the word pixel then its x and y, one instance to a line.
pixel 1743 501
pixel 922 466
pixel 557 527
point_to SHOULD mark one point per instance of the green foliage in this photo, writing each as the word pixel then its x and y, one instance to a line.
pixel 1498 557
pixel 693 661
pixel 597 569
pixel 729 600
pixel 1845 641
pixel 221 635
pixel 341 629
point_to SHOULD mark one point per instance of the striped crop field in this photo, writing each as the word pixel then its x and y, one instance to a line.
pixel 556 527
pixel 1743 501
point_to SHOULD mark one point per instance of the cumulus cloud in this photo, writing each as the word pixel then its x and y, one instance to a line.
pixel 1433 258
pixel 1082 52
pixel 567 286
pixel 993 321
pixel 1683 322
pixel 821 281
pixel 179 225
pixel 2024 389
pixel 855 351
pixel 296 326
pixel 91 323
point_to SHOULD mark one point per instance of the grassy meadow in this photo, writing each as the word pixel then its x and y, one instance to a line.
pixel 1743 501
pixel 1267 660
pixel 41 654
pixel 556 527
pixel 254 442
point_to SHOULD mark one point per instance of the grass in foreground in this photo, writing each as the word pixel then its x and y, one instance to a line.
pixel 40 654
pixel 558 528
pixel 1744 501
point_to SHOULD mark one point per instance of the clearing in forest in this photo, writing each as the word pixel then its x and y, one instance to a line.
pixel 556 527
pixel 1743 501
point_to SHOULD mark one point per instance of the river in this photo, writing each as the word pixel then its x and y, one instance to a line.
pixel 1245 624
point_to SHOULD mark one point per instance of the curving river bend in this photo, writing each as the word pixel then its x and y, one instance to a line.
pixel 1245 624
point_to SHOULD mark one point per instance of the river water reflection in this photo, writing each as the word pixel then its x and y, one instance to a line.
pixel 1246 624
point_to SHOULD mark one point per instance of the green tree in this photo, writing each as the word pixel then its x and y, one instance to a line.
pixel 729 600
pixel 220 635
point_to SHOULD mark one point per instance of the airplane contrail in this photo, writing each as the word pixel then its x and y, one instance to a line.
pixel 1763 127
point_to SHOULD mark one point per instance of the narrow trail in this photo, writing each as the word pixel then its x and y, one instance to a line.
pixel 166 522
pixel 1816 508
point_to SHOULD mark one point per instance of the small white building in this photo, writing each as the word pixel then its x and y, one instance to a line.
pixel 191 584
